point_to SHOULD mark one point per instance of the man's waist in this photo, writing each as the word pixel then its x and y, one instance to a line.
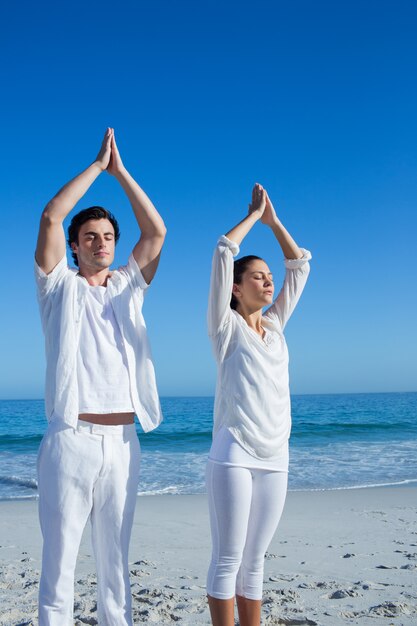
pixel 107 419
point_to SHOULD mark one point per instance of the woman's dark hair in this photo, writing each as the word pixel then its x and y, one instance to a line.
pixel 92 213
pixel 239 268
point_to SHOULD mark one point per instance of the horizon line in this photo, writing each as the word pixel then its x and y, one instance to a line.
pixel 328 393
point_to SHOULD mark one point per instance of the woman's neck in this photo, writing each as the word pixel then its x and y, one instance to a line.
pixel 252 318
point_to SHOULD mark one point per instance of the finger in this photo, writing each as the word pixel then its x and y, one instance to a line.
pixel 115 148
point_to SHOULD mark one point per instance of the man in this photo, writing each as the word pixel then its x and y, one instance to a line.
pixel 99 375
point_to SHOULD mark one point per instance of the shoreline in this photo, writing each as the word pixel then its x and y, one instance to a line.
pixel 338 557
pixel 408 483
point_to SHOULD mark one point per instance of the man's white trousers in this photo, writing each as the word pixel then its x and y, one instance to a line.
pixel 90 471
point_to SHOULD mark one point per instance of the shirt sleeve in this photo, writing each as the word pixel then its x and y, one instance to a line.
pixel 296 274
pixel 134 274
pixel 48 283
pixel 221 283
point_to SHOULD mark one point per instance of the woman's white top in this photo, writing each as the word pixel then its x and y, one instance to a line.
pixel 226 450
pixel 252 392
pixel 102 369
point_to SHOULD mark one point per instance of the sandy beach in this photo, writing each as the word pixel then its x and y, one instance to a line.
pixel 339 557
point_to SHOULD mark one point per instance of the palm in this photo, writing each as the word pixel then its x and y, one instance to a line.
pixel 269 214
pixel 258 199
pixel 115 163
pixel 104 155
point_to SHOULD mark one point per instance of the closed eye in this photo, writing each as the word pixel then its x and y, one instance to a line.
pixel 263 277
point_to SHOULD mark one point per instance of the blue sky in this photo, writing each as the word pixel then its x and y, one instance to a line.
pixel 315 100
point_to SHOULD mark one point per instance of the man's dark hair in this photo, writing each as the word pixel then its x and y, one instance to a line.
pixel 239 268
pixel 92 213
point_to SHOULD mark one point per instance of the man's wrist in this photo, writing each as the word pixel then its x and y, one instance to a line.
pixel 98 166
pixel 121 173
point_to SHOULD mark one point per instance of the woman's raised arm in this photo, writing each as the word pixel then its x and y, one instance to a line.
pixel 221 283
pixel 287 243
pixel 256 211
pixel 296 264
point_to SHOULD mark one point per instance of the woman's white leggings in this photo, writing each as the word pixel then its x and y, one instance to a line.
pixel 245 507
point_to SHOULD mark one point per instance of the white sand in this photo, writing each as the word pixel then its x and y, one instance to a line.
pixel 339 557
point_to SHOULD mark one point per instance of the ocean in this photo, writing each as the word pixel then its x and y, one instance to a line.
pixel 338 441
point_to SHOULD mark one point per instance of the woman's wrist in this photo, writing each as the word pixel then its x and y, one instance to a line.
pixel 276 223
pixel 256 214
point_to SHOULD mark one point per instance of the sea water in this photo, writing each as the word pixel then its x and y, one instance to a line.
pixel 337 441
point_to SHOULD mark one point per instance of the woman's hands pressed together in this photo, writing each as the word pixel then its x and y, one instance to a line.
pixel 269 216
pixel 258 203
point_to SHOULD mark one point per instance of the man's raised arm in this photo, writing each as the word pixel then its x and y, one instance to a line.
pixel 51 245
pixel 152 228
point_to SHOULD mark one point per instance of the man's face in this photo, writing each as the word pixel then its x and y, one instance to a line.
pixel 96 243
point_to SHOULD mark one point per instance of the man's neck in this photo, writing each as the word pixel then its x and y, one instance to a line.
pixel 95 278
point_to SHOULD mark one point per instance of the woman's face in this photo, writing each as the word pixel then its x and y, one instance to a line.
pixel 256 289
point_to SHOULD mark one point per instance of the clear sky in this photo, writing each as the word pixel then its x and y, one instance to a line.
pixel 315 100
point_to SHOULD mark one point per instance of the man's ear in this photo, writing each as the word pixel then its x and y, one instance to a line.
pixel 74 247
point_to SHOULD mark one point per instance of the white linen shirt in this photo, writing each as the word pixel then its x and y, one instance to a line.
pixel 252 392
pixel 102 372
pixel 61 297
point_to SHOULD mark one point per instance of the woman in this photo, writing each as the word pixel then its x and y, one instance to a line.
pixel 248 462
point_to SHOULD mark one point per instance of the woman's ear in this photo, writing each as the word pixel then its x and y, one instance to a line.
pixel 236 290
